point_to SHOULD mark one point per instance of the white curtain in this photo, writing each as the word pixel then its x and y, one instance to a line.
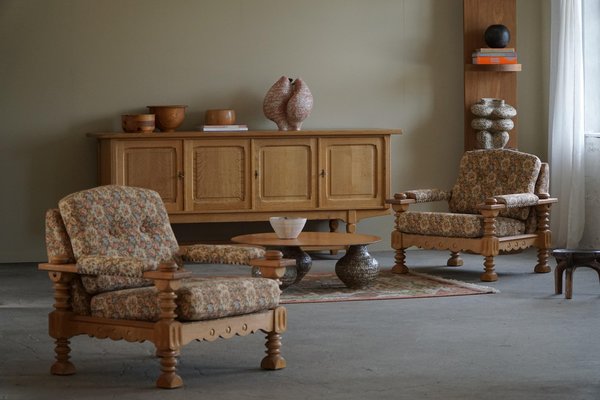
pixel 591 58
pixel 566 144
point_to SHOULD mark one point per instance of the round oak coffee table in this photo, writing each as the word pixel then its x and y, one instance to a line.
pixel 357 268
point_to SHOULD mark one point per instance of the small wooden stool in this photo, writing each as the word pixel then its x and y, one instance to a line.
pixel 568 260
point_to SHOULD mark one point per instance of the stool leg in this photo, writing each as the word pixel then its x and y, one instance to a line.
pixel 595 265
pixel 558 275
pixel 569 283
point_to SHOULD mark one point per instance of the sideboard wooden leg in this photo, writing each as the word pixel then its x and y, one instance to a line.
pixel 454 260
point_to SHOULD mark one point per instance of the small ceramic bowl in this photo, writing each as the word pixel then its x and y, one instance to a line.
pixel 219 117
pixel 168 118
pixel 287 227
pixel 142 123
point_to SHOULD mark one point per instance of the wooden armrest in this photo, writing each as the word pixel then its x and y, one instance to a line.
pixel 273 265
pixel 492 204
pixel 167 271
pixel 546 199
pixel 58 267
pixel 400 198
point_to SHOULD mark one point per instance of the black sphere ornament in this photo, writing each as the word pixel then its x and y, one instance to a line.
pixel 497 36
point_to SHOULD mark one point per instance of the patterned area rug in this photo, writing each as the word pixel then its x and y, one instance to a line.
pixel 326 287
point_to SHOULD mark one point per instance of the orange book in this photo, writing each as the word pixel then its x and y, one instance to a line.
pixel 494 60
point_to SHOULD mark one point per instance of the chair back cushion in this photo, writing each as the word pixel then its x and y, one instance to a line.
pixel 57 239
pixel 487 173
pixel 543 182
pixel 118 221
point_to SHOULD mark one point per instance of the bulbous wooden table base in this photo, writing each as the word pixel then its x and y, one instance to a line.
pixel 357 268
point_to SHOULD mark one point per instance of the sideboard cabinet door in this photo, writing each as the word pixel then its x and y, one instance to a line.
pixel 352 173
pixel 218 176
pixel 152 164
pixel 285 174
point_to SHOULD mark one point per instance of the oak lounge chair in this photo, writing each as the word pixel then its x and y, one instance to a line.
pixel 114 260
pixel 499 203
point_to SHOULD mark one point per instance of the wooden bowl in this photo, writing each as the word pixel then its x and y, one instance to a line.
pixel 168 118
pixel 132 123
pixel 219 117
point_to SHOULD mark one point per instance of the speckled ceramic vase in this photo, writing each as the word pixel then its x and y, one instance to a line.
pixel 357 269
pixel 275 102
pixel 493 122
pixel 288 103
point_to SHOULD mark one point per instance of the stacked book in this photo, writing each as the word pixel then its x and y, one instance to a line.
pixel 223 128
pixel 495 56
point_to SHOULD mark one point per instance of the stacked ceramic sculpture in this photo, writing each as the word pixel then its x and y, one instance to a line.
pixel 493 122
pixel 287 103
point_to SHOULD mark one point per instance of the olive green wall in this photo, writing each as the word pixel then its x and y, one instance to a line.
pixel 73 66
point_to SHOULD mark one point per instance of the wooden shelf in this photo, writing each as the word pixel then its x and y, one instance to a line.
pixel 493 67
pixel 488 80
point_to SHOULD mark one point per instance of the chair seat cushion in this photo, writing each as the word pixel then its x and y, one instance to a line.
pixel 455 225
pixel 197 299
pixel 221 254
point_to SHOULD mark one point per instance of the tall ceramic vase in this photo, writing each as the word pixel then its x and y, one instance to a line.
pixel 300 104
pixel 275 102
pixel 288 103
pixel 493 122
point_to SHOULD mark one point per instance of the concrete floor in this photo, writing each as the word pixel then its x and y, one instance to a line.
pixel 523 343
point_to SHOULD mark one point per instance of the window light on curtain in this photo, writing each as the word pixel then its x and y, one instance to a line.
pixel 575 122
pixel 591 62
pixel 566 122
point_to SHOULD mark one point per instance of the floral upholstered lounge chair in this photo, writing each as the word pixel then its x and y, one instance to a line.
pixel 499 203
pixel 118 274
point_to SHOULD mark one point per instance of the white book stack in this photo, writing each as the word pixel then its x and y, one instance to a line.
pixel 223 128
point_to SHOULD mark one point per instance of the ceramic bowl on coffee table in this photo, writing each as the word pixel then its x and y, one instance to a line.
pixel 287 227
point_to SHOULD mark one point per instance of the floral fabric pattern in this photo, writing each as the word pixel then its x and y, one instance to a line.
pixel 543 182
pixel 455 225
pixel 518 200
pixel 198 299
pixel 221 254
pixel 427 195
pixel 116 233
pixel 80 299
pixel 488 173
pixel 118 221
pixel 116 266
pixel 94 284
pixel 57 240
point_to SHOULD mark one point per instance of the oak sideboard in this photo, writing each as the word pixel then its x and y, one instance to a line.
pixel 249 176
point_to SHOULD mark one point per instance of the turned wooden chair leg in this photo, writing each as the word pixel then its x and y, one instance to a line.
pixel 400 265
pixel 490 274
pixel 58 320
pixel 543 222
pixel 62 365
pixel 168 330
pixel 273 359
pixel 168 378
pixel 542 266
pixel 454 260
